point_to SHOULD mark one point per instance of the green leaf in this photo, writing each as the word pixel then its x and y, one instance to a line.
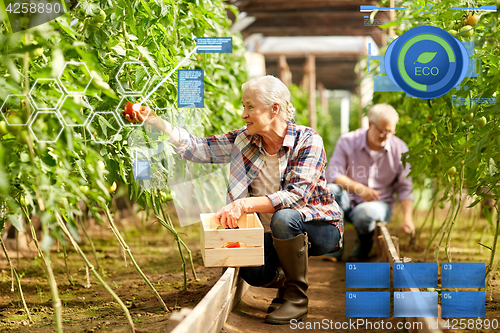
pixel 47 242
pixel 16 222
pixel 13 71
pixel 487 215
pixel 426 57
pixel 147 8
pixel 119 50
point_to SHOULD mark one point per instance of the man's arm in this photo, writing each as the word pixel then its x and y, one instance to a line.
pixel 337 169
pixel 404 188
pixel 351 186
pixel 408 226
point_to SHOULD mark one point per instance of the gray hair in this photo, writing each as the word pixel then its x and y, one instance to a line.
pixel 271 90
pixel 383 111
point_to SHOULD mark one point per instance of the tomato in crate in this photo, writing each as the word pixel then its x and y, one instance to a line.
pixel 238 247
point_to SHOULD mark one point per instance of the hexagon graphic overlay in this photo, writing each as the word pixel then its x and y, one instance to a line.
pixel 75 77
pixel 46 94
pixel 15 110
pixel 133 77
pixel 46 126
pixel 75 110
pixel 104 127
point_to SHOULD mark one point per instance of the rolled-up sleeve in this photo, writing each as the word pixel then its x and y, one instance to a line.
pixel 307 167
pixel 338 163
pixel 212 149
pixel 403 185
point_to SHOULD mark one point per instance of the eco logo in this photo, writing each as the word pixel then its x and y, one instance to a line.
pixel 426 62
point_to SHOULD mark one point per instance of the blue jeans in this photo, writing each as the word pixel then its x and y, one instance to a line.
pixel 286 224
pixel 364 215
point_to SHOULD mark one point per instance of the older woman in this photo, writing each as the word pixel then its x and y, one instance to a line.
pixel 278 171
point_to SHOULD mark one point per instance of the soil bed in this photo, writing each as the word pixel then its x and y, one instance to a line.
pixel 93 309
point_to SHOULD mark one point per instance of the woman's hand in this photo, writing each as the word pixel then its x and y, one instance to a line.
pixel 147 116
pixel 228 215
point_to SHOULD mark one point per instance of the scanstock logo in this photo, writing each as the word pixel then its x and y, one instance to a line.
pixel 426 62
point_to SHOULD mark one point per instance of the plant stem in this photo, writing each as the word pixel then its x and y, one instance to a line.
pixel 435 234
pixel 166 217
pixel 460 194
pixel 126 248
pixel 433 207
pixel 492 268
pixel 91 243
pixel 18 281
pixel 92 269
pixel 448 225
pixel 56 301
pixel 66 265
pixel 185 247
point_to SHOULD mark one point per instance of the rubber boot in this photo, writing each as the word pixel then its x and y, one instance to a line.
pixel 363 247
pixel 277 282
pixel 278 300
pixel 293 254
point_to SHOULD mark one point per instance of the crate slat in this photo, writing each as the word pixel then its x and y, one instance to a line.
pixel 238 257
pixel 250 232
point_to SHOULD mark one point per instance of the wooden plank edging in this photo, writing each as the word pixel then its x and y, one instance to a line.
pixel 391 253
pixel 211 313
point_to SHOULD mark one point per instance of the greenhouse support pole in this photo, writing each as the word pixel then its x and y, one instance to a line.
pixel 311 89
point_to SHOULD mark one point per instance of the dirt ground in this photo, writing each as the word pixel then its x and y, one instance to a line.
pixel 327 301
pixel 327 286
pixel 93 309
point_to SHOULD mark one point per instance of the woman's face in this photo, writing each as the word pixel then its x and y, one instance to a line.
pixel 256 114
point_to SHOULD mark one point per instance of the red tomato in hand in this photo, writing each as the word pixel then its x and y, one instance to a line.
pixel 129 109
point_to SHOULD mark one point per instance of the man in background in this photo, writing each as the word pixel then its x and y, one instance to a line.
pixel 365 172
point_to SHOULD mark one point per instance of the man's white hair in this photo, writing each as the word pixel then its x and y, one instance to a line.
pixel 271 90
pixel 383 111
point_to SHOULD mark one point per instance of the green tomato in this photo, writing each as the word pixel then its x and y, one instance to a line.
pixel 37 52
pixel 451 171
pixel 3 128
pixel 63 202
pixel 15 120
pixel 23 201
pixel 94 26
pixel 112 188
pixel 467 30
pixel 453 32
pixel 441 205
pixel 481 122
pixel 22 137
pixel 99 18
pixel 469 117
pixel 84 189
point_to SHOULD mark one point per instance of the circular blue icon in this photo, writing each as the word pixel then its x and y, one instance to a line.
pixel 426 62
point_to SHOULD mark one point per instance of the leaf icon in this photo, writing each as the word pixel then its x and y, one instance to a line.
pixel 425 57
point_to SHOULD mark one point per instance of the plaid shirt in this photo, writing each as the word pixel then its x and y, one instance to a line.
pixel 302 162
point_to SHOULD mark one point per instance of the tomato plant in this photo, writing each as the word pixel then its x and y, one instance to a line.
pixel 34 176
pixel 463 155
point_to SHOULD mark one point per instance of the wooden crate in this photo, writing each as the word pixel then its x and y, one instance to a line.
pixel 250 232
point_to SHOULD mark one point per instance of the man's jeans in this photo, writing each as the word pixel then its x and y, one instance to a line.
pixel 364 215
pixel 286 224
